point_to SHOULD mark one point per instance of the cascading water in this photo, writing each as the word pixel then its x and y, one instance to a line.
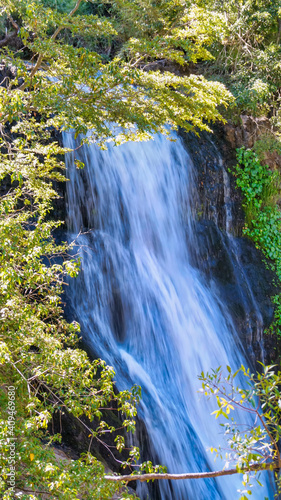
pixel 143 307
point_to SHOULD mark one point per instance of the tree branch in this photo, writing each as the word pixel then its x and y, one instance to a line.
pixel 13 22
pixel 279 31
pixel 53 37
pixel 192 475
pixel 58 30
pixel 274 444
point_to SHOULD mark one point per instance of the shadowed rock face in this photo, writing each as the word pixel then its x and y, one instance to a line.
pixel 231 263
pixel 235 268
pixel 248 132
pixel 213 157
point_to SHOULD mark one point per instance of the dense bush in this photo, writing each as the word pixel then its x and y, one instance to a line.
pixel 261 188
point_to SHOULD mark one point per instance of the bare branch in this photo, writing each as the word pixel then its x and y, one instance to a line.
pixel 193 475
pixel 13 22
pixel 58 30
pixel 275 445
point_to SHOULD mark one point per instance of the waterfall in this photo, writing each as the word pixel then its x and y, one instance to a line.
pixel 144 308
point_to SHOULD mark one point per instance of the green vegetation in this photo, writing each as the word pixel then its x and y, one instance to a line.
pixel 86 94
pixel 261 187
pixel 39 356
pixel 247 58
pixel 254 444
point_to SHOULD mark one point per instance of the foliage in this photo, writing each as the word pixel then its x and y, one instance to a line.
pixel 65 6
pixel 248 58
pixel 38 349
pixel 257 182
pixel 166 30
pixel 257 395
pixel 268 143
pixel 260 187
pixel 87 94
pixel 104 44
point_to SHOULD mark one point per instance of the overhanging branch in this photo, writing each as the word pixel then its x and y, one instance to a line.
pixel 193 475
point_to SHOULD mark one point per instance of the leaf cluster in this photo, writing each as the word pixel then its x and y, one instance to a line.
pixel 39 352
pixel 258 396
pixel 85 93
pixel 248 57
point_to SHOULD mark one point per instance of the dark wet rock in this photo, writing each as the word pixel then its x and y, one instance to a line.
pixel 214 159
pixel 250 130
pixel 75 437
pixel 243 283
pixel 230 263
pixel 7 73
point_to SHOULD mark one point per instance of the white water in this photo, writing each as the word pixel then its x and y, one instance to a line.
pixel 143 307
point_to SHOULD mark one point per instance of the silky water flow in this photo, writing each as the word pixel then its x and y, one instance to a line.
pixel 144 309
